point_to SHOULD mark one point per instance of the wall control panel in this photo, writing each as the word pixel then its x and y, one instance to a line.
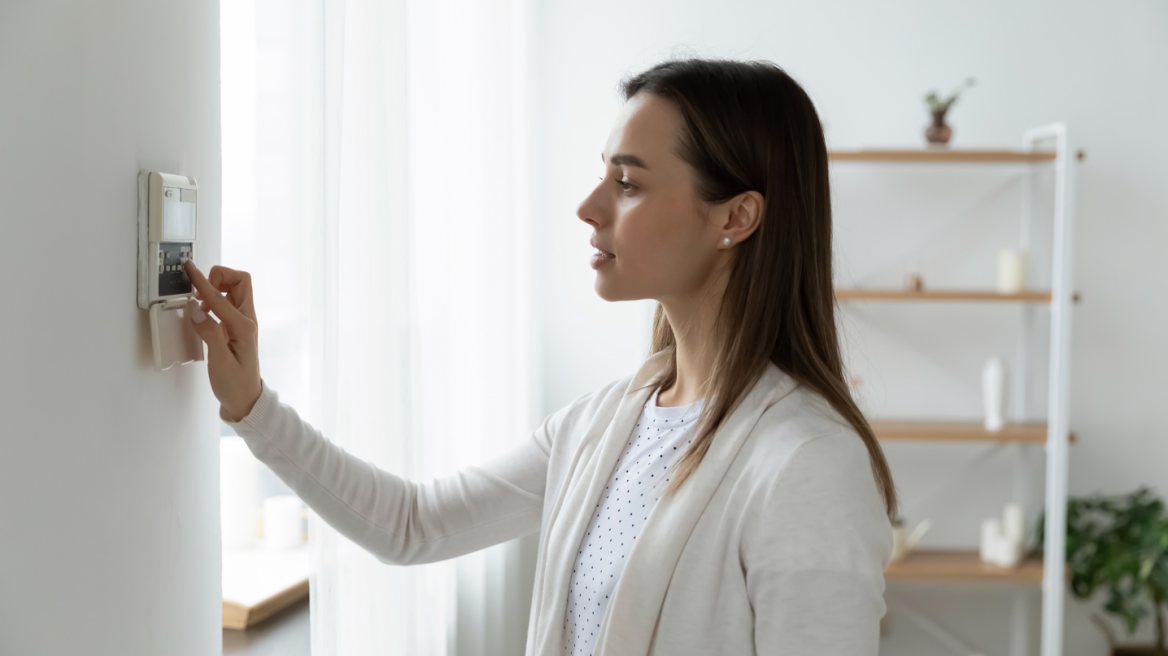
pixel 168 234
pixel 168 230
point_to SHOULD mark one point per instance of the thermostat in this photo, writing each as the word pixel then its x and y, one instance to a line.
pixel 168 233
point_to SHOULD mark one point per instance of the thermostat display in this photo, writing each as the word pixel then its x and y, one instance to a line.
pixel 178 214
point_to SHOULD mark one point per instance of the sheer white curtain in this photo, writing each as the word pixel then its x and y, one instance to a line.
pixel 468 109
pixel 375 170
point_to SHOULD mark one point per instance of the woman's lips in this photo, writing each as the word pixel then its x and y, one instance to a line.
pixel 601 258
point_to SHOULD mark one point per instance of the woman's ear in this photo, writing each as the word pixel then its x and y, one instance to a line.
pixel 744 215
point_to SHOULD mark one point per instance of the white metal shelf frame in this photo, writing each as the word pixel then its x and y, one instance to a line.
pixel 1058 397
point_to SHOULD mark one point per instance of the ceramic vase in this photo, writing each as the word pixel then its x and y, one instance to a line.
pixel 938 133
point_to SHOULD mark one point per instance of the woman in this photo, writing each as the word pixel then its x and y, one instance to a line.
pixel 734 460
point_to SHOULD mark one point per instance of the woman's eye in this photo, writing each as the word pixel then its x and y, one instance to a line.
pixel 624 185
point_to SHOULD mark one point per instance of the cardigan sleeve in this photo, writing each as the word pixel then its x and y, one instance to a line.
pixel 814 552
pixel 399 521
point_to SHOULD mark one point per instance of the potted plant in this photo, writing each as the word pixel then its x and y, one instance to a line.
pixel 938 133
pixel 1120 543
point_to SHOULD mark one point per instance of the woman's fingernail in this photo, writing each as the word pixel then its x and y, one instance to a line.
pixel 198 316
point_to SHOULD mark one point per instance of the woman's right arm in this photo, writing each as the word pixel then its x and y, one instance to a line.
pixel 399 521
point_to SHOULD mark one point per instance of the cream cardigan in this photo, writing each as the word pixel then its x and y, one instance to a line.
pixel 776 544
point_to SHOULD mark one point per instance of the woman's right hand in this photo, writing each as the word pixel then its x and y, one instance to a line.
pixel 233 362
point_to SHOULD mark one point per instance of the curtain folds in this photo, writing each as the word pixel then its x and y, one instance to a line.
pixel 419 297
pixel 375 165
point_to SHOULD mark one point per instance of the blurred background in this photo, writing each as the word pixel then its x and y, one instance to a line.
pixel 401 179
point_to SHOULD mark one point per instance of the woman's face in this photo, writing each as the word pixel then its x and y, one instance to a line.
pixel 656 238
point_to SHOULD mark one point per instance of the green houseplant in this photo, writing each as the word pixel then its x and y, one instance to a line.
pixel 1120 544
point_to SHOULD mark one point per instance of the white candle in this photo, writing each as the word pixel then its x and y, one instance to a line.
pixel 1007 552
pixel 282 525
pixel 991 532
pixel 1014 522
pixel 993 390
pixel 238 493
pixel 1011 271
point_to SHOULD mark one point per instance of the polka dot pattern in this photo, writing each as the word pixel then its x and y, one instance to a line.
pixel 645 468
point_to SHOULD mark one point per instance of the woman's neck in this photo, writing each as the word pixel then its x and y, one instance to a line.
pixel 692 320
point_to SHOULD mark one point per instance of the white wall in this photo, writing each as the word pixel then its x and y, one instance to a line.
pixel 108 471
pixel 867 67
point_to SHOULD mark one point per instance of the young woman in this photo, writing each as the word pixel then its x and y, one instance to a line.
pixel 728 497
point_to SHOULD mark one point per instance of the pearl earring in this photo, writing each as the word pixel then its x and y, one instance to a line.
pixel 725 241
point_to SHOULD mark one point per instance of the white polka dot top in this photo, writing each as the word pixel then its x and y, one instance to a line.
pixel 656 445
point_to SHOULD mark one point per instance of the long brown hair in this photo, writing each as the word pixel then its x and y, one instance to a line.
pixel 750 126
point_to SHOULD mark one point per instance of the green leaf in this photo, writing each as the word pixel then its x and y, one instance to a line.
pixel 1120 544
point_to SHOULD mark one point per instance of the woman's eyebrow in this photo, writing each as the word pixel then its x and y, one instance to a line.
pixel 624 158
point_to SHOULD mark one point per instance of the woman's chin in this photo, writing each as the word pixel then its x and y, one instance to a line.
pixel 605 290
pixel 608 291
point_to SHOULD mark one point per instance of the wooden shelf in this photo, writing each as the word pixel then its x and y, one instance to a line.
pixel 960 565
pixel 260 582
pixel 958 431
pixel 959 156
pixel 855 294
pixel 239 616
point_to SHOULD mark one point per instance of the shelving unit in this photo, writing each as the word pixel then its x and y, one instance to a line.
pixel 965 156
pixel 908 430
pixel 845 295
pixel 1053 434
pixel 960 565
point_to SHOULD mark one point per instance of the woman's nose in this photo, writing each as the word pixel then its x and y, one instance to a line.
pixel 587 210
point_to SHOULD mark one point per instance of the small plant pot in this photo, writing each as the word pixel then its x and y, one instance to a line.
pixel 1135 650
pixel 938 133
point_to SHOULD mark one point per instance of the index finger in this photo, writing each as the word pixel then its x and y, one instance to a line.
pixel 237 284
pixel 219 305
